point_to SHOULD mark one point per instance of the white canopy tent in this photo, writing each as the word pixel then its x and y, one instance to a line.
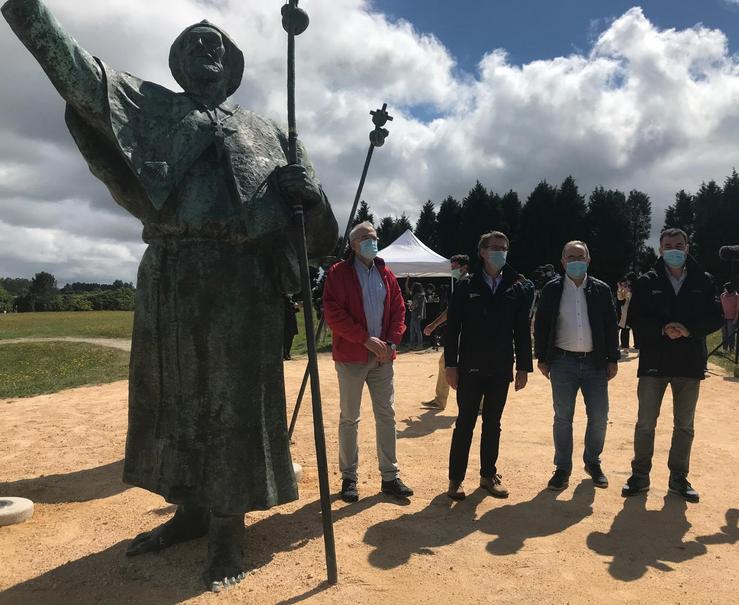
pixel 408 256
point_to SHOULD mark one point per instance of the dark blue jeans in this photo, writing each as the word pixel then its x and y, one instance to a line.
pixel 568 375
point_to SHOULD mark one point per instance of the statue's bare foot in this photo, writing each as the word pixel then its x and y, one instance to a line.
pixel 225 566
pixel 189 522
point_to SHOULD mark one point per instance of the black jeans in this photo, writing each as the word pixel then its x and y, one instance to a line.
pixel 493 391
pixel 625 332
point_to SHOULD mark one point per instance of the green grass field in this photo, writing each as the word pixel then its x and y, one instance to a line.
pixel 28 369
pixel 88 324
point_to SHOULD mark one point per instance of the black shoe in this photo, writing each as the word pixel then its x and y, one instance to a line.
pixel 349 491
pixel 559 481
pixel 680 485
pixel 599 478
pixel 396 488
pixel 635 485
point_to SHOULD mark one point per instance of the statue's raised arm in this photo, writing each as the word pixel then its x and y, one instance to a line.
pixel 73 71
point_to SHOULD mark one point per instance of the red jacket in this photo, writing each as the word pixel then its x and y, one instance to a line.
pixel 343 310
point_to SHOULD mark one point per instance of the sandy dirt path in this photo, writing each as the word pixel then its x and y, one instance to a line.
pixel 64 451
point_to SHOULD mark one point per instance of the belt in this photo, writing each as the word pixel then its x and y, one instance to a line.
pixel 577 354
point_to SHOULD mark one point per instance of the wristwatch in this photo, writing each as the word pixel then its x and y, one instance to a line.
pixel 391 345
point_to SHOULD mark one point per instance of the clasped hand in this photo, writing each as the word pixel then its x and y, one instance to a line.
pixel 293 182
pixel 379 349
pixel 676 330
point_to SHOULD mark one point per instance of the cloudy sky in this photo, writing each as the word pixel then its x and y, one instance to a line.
pixel 505 92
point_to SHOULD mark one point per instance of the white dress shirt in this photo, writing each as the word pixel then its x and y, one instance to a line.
pixel 573 324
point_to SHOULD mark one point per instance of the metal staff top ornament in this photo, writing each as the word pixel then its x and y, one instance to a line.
pixel 380 117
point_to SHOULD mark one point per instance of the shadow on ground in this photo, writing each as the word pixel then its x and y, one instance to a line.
pixel 173 575
pixel 80 486
pixel 641 538
pixel 427 423
pixel 443 522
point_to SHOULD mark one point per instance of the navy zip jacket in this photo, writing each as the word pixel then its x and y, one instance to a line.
pixel 482 327
pixel 601 316
pixel 654 304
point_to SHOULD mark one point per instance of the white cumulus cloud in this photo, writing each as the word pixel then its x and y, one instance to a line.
pixel 644 108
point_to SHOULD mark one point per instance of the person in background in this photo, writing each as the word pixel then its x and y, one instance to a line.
pixel 576 339
pixel 673 309
pixel 291 325
pixel 460 264
pixel 418 314
pixel 363 306
pixel 487 319
pixel 623 295
pixel 730 307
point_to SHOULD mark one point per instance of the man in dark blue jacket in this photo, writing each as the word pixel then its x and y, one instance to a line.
pixel 576 335
pixel 488 314
pixel 673 308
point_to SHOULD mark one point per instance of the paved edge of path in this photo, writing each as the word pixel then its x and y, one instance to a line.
pixel 124 344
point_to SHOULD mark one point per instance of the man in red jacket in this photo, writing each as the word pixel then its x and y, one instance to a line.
pixel 363 306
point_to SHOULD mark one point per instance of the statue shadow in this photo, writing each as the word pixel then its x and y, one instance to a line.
pixel 111 577
pixel 443 522
pixel 79 486
pixel 174 575
pixel 641 538
pixel 427 423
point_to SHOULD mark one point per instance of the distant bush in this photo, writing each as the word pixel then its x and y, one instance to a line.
pixel 121 299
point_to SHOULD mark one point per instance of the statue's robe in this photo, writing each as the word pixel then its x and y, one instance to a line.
pixel 207 417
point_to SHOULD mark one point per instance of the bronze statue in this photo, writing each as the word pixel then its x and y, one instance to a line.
pixel 207 427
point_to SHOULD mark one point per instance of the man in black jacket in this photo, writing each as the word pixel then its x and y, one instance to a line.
pixel 673 308
pixel 487 314
pixel 576 336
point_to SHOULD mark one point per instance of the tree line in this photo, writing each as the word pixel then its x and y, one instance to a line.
pixel 42 294
pixel 616 225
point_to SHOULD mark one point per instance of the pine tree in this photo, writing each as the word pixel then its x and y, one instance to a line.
pixel 536 241
pixel 385 232
pixel 639 209
pixel 610 230
pixel 448 222
pixel 511 208
pixel 481 213
pixel 426 226
pixel 569 217
pixel 363 214
pixel 710 226
pixel 681 214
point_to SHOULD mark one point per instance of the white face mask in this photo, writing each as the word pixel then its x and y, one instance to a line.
pixel 456 273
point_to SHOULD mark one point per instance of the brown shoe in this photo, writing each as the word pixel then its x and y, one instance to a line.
pixel 494 486
pixel 455 491
pixel 432 405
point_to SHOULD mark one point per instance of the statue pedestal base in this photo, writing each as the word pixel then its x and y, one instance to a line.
pixel 298 470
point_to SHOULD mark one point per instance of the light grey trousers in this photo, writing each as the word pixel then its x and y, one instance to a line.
pixel 379 380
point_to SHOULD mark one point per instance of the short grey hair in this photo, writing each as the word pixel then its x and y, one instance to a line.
pixel 576 242
pixel 365 226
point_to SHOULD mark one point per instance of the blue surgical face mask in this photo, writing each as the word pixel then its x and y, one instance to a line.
pixel 674 258
pixel 497 258
pixel 368 248
pixel 576 269
pixel 456 273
